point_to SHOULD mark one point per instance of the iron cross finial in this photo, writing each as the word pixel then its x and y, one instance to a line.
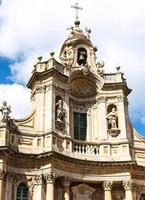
pixel 76 7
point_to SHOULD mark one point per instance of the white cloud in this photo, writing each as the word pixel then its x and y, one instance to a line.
pixel 32 28
pixel 18 97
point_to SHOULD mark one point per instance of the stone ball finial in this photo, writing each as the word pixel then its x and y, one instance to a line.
pixel 52 54
pixel 118 68
pixel 39 58
pixel 95 49
pixel 77 22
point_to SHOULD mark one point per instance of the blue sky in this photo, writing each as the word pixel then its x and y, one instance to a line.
pixel 29 29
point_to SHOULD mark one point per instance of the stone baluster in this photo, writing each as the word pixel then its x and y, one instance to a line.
pixel 128 186
pixel 66 183
pixel 107 185
pixel 50 179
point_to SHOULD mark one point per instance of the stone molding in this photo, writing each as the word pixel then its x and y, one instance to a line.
pixel 128 185
pixel 42 89
pixel 101 99
pixel 107 185
pixel 120 98
pixel 50 178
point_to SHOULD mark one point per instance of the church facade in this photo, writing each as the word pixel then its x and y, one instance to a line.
pixel 78 142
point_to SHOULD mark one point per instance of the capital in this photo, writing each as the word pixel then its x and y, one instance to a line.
pixel 66 181
pixel 107 185
pixel 2 174
pixel 50 177
pixel 38 179
pixel 128 185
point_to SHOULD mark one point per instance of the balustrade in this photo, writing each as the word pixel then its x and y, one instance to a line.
pixel 86 148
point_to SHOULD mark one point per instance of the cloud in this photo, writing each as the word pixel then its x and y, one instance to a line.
pixel 32 28
pixel 18 97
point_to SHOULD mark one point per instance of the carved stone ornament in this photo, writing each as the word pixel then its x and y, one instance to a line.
pixel 2 173
pixel 66 181
pixel 42 89
pixel 5 116
pixel 82 192
pixel 68 56
pixel 128 185
pixel 38 179
pixel 5 111
pixel 50 177
pixel 82 88
pixel 107 185
pixel 86 69
pixel 60 113
pixel 112 121
pixel 100 68
pixel 114 132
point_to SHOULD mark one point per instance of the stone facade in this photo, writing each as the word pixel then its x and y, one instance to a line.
pixel 40 156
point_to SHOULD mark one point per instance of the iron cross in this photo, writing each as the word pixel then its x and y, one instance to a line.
pixel 76 7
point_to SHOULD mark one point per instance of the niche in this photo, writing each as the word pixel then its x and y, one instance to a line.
pixel 112 117
pixel 59 113
pixel 82 56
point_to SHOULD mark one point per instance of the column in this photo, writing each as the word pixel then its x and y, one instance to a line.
pixel 107 185
pixel 66 183
pixel 128 186
pixel 2 173
pixel 50 179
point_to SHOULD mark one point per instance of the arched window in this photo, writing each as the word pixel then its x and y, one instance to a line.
pixel 142 197
pixel 22 192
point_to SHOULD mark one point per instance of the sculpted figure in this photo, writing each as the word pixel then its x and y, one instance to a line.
pixel 59 111
pixel 112 118
pixel 5 110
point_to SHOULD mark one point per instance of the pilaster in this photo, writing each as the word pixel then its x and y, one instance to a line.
pixel 107 186
pixel 2 175
pixel 66 183
pixel 37 191
pixel 50 179
pixel 128 186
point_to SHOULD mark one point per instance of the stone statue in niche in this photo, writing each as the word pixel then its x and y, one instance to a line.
pixel 82 56
pixel 112 118
pixel 60 112
pixel 112 121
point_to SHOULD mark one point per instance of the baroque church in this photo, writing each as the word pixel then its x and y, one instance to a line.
pixel 78 142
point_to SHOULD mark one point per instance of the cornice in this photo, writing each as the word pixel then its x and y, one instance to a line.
pixel 41 75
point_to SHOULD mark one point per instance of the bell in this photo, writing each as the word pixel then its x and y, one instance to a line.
pixel 81 57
